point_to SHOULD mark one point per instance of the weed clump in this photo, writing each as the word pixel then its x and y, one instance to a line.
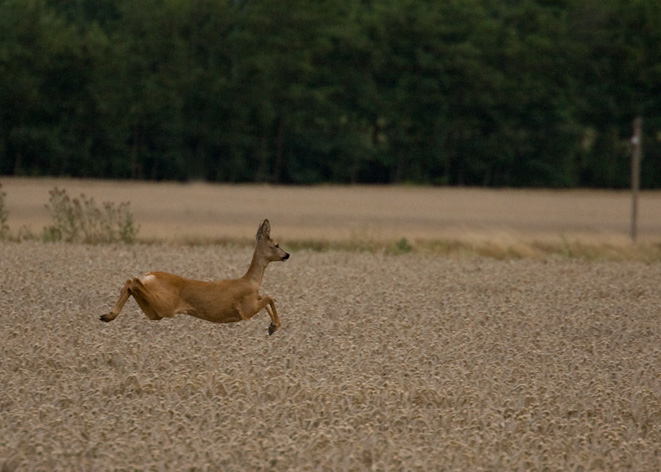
pixel 82 220
pixel 403 246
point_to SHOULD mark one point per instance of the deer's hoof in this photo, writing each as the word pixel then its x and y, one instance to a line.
pixel 107 317
pixel 272 329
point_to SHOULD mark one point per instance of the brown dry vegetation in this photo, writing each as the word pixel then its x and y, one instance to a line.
pixel 384 362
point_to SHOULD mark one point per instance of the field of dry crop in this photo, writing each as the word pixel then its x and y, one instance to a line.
pixel 384 362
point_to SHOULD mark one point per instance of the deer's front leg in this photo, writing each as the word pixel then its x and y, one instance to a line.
pixel 250 309
pixel 275 320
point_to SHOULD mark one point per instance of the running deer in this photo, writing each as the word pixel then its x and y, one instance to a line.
pixel 162 295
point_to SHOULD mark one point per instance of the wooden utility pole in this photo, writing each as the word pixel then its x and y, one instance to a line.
pixel 636 152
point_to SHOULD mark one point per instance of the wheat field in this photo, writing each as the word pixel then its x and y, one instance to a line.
pixel 383 362
pixel 386 360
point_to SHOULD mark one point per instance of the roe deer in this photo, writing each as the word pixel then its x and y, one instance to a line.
pixel 163 295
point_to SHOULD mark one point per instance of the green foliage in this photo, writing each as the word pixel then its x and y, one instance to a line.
pixel 470 92
pixel 403 246
pixel 81 220
pixel 4 215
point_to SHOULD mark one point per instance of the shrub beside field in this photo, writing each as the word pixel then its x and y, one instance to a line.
pixel 82 220
pixel 405 362
pixel 77 220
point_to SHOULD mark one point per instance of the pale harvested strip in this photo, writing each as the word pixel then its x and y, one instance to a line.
pixel 406 362
pixel 470 216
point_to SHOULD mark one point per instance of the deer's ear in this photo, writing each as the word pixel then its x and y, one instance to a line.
pixel 264 230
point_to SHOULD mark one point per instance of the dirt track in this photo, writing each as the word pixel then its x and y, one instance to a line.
pixel 383 363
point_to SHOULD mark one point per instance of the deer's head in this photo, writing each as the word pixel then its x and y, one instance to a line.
pixel 268 248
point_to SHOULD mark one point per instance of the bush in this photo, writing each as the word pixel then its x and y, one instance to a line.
pixel 403 246
pixel 81 220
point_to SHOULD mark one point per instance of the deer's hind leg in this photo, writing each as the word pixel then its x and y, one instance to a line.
pixel 145 300
pixel 141 295
pixel 123 297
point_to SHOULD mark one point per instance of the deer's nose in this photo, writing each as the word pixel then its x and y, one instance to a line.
pixel 286 256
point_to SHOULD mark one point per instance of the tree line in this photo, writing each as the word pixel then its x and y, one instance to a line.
pixel 456 92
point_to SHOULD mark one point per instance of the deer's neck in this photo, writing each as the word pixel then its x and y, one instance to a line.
pixel 256 270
